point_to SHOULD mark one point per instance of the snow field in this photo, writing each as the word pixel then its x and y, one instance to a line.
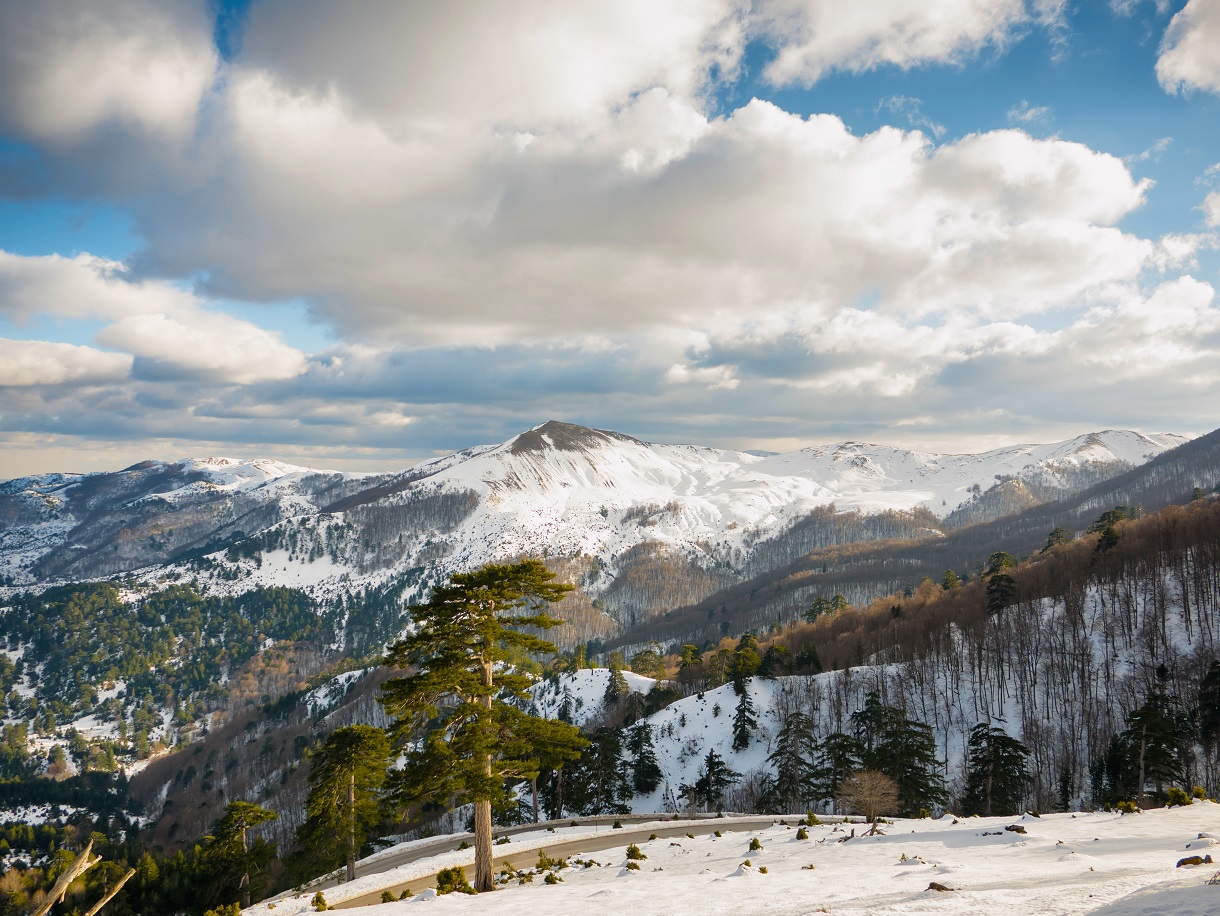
pixel 1118 865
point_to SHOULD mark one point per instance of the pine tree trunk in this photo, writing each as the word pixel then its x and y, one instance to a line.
pixel 483 878
pixel 1143 745
pixel 244 886
pixel 559 793
pixel 534 786
pixel 351 826
pixel 990 763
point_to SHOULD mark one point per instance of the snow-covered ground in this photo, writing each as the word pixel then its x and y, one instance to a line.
pixel 1117 865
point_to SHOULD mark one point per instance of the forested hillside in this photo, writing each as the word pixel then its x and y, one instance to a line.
pixel 862 570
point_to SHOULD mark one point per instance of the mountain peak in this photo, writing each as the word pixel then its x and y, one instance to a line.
pixel 564 437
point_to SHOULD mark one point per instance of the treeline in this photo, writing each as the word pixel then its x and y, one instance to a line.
pixel 827 527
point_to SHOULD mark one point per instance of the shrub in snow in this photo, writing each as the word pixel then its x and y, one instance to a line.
pixel 451 880
pixel 754 844
pixel 1176 797
pixel 802 834
pixel 633 852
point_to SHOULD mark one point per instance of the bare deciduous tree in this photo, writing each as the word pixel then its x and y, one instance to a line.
pixel 868 792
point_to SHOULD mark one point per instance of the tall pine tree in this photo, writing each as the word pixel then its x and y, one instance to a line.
pixel 598 782
pixel 903 749
pixel 1153 744
pixel 838 757
pixel 463 740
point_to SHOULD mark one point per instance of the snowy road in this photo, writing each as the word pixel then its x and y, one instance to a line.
pixel 558 849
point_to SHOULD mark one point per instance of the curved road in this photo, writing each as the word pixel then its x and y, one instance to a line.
pixel 560 849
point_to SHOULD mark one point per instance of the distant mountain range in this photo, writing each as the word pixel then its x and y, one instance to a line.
pixel 601 499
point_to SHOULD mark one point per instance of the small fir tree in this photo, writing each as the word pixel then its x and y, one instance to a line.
pixel 646 772
pixel 744 722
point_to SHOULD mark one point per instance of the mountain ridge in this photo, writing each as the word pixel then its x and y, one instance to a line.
pixel 556 489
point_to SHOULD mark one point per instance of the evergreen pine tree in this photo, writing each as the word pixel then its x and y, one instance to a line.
pixel 904 750
pixel 819 607
pixel 794 782
pixel 598 781
pixel 1209 708
pixel 713 781
pixel 807 661
pixel 345 779
pixel 1152 744
pixel 552 744
pixel 745 662
pixel 646 771
pixel 776 661
pixel 838 757
pixel 690 669
pixel 744 722
pixel 616 686
pixel 460 655
pixel 996 774
pixel 235 862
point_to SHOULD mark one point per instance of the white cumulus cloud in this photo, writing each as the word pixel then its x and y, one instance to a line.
pixel 168 328
pixel 1190 51
pixel 814 37
pixel 26 363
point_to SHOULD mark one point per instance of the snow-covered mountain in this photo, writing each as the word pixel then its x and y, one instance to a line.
pixel 72 526
pixel 555 490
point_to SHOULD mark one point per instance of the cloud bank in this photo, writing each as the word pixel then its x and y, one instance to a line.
pixel 545 210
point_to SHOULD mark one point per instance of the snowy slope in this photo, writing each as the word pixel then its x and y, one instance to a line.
pixel 66 526
pixel 582 692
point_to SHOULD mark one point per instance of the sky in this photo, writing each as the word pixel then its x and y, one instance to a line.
pixel 359 235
